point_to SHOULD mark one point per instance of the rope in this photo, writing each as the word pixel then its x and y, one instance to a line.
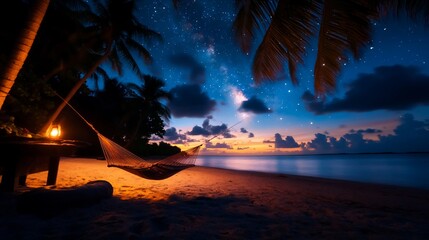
pixel 88 123
pixel 120 157
pixel 95 130
pixel 215 136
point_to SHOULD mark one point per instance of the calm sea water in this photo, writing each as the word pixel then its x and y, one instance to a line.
pixel 410 170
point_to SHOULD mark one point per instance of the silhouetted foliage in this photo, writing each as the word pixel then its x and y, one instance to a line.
pixel 342 29
pixel 153 150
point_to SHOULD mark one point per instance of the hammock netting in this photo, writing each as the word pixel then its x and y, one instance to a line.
pixel 120 157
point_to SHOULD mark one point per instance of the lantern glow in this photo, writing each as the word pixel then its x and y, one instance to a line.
pixel 55 131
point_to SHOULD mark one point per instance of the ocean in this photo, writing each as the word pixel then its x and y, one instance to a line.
pixel 409 170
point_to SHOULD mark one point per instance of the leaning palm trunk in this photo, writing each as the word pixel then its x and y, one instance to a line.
pixel 133 137
pixel 21 49
pixel 72 92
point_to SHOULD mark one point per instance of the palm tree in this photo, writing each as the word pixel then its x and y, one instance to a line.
pixel 62 41
pixel 118 36
pixel 340 27
pixel 21 48
pixel 112 108
pixel 23 44
pixel 151 111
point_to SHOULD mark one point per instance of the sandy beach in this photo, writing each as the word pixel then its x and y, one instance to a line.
pixel 209 203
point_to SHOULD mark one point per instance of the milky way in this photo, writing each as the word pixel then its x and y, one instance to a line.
pixel 210 77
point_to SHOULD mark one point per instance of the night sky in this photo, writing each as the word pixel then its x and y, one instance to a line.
pixel 381 102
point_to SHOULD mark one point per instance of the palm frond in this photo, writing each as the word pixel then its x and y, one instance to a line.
pixel 100 72
pixel 142 32
pixel 115 62
pixel 76 5
pixel 416 10
pixel 100 8
pixel 134 88
pixel 140 50
pixel 149 95
pixel 293 23
pixel 127 57
pixel 86 17
pixel 345 26
pixel 252 15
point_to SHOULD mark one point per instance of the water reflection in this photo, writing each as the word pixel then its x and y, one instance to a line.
pixel 395 169
pixel 239 163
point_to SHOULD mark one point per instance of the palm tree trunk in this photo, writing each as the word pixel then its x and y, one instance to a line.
pixel 72 92
pixel 22 47
pixel 134 134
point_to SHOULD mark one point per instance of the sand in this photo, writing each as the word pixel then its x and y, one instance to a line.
pixel 210 203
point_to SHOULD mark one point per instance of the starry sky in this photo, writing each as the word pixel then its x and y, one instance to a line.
pixel 381 102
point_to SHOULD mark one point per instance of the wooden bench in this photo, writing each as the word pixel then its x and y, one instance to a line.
pixel 21 156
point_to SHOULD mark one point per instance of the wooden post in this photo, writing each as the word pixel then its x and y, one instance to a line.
pixel 54 162
pixel 10 178
pixel 22 180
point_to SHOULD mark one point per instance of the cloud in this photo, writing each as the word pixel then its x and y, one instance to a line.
pixel 207 129
pixel 197 71
pixel 218 145
pixel 171 134
pixel 228 135
pixel 251 135
pixel 243 130
pixel 189 101
pixel 389 87
pixel 319 143
pixel 242 148
pixel 254 105
pixel 368 130
pixel 289 142
pixel 197 130
pixel 409 136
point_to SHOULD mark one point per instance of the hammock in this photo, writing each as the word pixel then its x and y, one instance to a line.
pixel 120 157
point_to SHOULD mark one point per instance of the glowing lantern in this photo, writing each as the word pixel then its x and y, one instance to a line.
pixel 55 131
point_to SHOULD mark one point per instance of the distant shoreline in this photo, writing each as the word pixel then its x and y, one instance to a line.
pixel 311 154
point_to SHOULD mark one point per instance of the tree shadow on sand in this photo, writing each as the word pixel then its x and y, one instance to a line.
pixel 203 217
pixel 200 217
